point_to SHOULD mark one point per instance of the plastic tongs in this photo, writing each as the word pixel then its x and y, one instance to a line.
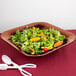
pixel 8 61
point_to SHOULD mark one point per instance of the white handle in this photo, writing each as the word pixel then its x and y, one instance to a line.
pixel 3 66
pixel 28 66
pixel 23 72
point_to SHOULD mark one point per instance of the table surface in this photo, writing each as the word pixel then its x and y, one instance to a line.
pixel 59 63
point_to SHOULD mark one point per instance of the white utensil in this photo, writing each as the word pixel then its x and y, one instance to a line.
pixel 8 61
pixel 28 66
pixel 5 66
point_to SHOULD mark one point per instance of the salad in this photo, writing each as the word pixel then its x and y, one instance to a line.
pixel 37 41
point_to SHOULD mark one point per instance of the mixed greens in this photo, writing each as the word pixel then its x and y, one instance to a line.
pixel 36 41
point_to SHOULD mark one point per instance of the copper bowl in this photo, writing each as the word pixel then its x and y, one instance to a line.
pixel 7 34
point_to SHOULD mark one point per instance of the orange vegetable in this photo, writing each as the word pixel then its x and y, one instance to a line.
pixel 35 39
pixel 33 51
pixel 48 48
pixel 42 34
pixel 58 43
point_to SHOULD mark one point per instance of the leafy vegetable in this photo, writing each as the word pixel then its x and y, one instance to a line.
pixel 37 41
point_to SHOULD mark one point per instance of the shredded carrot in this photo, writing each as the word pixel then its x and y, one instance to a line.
pixel 42 34
pixel 58 43
pixel 33 51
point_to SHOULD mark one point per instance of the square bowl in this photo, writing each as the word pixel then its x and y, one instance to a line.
pixel 42 25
